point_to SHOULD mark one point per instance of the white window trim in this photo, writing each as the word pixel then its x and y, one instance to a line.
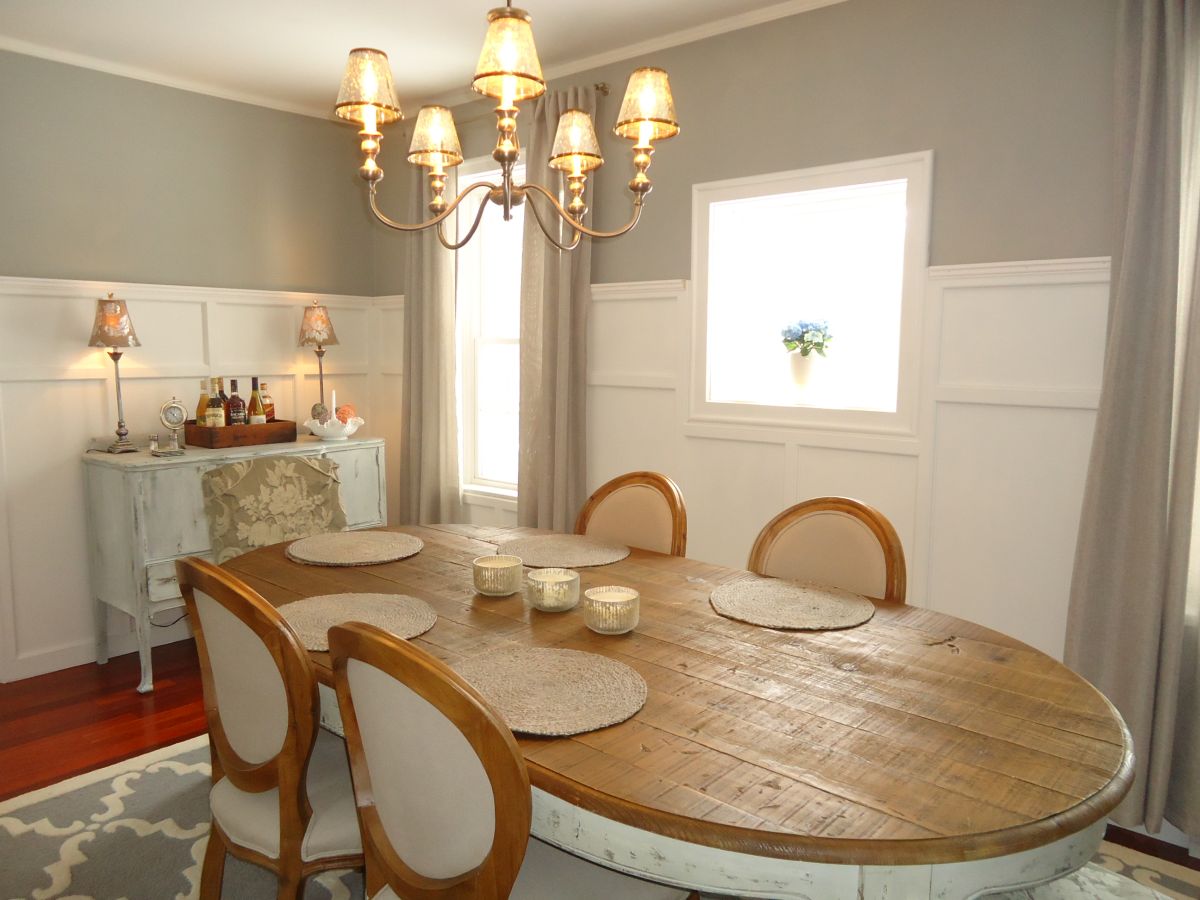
pixel 918 169
pixel 502 495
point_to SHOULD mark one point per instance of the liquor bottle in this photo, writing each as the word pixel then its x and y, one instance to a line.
pixel 224 398
pixel 202 406
pixel 214 414
pixel 255 410
pixel 237 406
pixel 268 402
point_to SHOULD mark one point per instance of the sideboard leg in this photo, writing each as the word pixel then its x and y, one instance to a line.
pixel 100 611
pixel 142 625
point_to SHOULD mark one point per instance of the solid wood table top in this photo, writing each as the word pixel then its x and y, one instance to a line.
pixel 915 738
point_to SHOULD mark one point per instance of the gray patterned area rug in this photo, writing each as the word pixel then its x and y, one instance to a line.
pixel 133 831
pixel 137 831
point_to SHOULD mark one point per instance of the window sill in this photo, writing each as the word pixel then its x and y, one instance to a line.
pixel 488 495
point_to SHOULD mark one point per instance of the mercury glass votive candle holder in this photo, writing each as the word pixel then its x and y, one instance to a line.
pixel 552 590
pixel 497 576
pixel 611 609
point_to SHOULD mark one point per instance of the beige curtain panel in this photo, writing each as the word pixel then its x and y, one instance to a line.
pixel 1135 597
pixel 429 478
pixel 555 294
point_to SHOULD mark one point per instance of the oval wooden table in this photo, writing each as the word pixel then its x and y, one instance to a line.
pixel 917 755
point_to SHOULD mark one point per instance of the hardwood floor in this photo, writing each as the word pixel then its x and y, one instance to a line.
pixel 59 725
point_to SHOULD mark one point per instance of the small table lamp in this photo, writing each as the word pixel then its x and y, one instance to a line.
pixel 317 331
pixel 113 329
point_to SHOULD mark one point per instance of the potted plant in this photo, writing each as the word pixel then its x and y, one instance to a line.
pixel 801 340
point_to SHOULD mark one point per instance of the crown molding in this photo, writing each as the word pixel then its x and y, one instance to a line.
pixel 451 98
pixel 182 84
pixel 690 35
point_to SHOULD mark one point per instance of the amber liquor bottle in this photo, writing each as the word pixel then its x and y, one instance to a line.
pixel 214 414
pixel 202 406
pixel 237 406
pixel 256 412
pixel 224 398
pixel 268 402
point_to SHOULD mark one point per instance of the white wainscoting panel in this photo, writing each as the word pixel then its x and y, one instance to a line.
pixel 1023 336
pixel 1014 353
pixel 985 495
pixel 57 394
pixel 732 488
pixel 1006 498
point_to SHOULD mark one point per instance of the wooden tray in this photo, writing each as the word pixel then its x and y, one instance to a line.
pixel 278 432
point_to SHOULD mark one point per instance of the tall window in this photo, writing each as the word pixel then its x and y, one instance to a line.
pixel 488 287
pixel 841 248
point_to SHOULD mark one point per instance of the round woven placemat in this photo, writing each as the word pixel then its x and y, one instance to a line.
pixel 354 548
pixel 400 614
pixel 775 603
pixel 547 691
pixel 563 551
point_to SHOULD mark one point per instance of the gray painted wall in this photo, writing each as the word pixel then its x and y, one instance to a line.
pixel 109 178
pixel 1013 97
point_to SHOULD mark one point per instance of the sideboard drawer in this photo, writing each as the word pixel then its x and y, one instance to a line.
pixel 161 582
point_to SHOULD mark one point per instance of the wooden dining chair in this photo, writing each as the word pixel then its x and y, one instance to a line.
pixel 257 502
pixel 835 541
pixel 443 795
pixel 281 795
pixel 641 509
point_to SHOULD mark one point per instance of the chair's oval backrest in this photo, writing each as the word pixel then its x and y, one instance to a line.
pixel 641 509
pixel 836 541
pixel 257 502
pixel 443 795
pixel 260 693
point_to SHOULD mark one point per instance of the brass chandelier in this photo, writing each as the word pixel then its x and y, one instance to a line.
pixel 508 70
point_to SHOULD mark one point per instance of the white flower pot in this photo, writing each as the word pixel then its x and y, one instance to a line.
pixel 802 367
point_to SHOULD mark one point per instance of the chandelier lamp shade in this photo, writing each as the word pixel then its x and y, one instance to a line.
pixel 508 71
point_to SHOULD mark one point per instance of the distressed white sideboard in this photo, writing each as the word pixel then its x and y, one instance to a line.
pixel 144 512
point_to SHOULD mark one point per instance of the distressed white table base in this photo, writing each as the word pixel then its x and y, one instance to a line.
pixel 727 873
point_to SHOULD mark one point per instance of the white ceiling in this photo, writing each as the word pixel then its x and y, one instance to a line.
pixel 289 54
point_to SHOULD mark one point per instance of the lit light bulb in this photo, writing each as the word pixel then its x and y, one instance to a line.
pixel 645 132
pixel 576 135
pixel 508 53
pixel 646 100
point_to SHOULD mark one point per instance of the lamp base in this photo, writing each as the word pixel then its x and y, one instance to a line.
pixel 124 445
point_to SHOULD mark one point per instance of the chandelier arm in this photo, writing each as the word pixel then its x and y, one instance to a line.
pixel 470 234
pixel 579 226
pixel 440 217
pixel 546 231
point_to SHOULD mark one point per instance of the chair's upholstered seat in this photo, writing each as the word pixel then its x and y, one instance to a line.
pixel 252 820
pixel 552 874
pixel 258 502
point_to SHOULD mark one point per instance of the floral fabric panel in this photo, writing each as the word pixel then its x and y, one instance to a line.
pixel 258 502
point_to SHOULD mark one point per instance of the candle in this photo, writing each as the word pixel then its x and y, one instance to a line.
pixel 497 576
pixel 611 610
pixel 333 401
pixel 553 590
